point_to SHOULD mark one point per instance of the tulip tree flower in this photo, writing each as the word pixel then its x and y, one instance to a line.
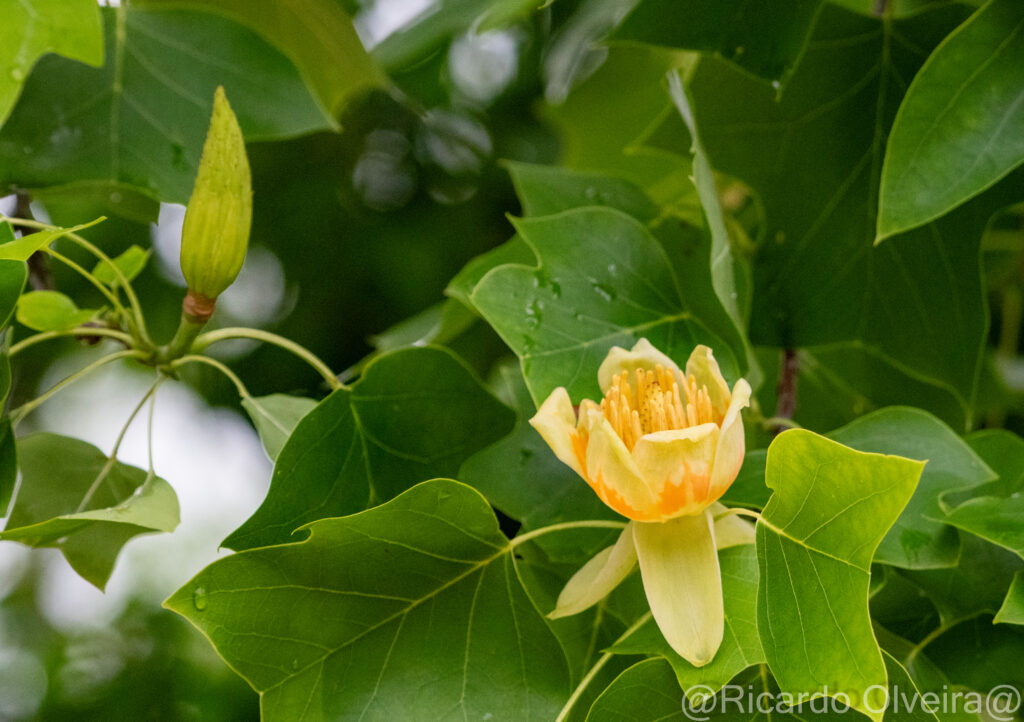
pixel 660 448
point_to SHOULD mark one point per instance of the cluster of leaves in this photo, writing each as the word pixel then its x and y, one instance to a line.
pixel 810 188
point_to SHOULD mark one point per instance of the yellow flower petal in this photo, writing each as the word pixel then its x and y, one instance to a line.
pixel 731 446
pixel 611 471
pixel 642 356
pixel 677 466
pixel 683 583
pixel 731 530
pixel 597 578
pixel 703 367
pixel 555 421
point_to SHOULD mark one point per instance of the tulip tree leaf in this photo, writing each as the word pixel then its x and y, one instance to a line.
pixel 33 28
pixel 544 190
pixel 522 477
pixel 958 129
pixel 1003 451
pixel 415 414
pixel 50 311
pixel 977 584
pixel 24 247
pixel 592 143
pixel 411 610
pixel 275 417
pixel 603 281
pixel 1012 611
pixel 514 251
pixel 994 518
pixel 741 647
pixel 830 509
pixel 140 120
pixel 316 35
pixel 917 540
pixel 898 299
pixel 54 506
pixel 130 263
pixel 645 692
pixel 765 38
pixel 8 455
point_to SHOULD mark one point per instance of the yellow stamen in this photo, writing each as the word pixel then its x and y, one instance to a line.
pixel 654 401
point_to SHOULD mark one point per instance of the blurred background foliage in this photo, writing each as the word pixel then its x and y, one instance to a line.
pixel 357 231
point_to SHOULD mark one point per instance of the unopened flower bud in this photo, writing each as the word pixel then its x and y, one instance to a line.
pixel 219 214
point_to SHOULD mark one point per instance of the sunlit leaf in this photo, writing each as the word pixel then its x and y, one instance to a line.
pixel 50 311
pixel 411 610
pixel 130 264
pixel 830 509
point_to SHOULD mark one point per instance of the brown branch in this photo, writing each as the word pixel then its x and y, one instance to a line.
pixel 785 406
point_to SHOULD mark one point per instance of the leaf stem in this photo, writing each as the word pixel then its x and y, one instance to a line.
pixel 598 666
pixel 123 282
pixel 112 460
pixel 243 392
pixel 589 524
pixel 77 331
pixel 110 295
pixel 206 339
pixel 25 409
pixel 785 406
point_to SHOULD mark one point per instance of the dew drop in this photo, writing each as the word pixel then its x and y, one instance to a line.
pixel 199 600
pixel 17 74
pixel 591 192
pixel 27 150
pixel 115 197
pixel 295 664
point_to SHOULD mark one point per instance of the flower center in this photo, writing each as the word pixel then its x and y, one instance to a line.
pixel 654 402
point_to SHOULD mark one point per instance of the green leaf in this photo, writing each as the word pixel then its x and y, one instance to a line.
pixel 958 128
pixel 50 311
pixel 411 610
pixel 8 458
pixel 749 488
pixel 765 38
pixel 438 324
pixel 130 263
pixel 415 414
pixel 140 120
pixel 1012 611
pixel 316 35
pixel 917 540
pixel 996 519
pixel 741 647
pixel 916 301
pixel 978 584
pixel 275 417
pixel 35 27
pixel 514 250
pixel 1003 451
pixel 544 190
pixel 603 281
pixel 645 692
pixel 24 247
pixel 73 497
pixel 830 509
pixel 520 476
pixel 13 275
pixel 629 87
pixel 982 656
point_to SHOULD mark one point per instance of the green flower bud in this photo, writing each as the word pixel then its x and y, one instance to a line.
pixel 219 214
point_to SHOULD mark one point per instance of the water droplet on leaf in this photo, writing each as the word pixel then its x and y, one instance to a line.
pixel 17 74
pixel 199 600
